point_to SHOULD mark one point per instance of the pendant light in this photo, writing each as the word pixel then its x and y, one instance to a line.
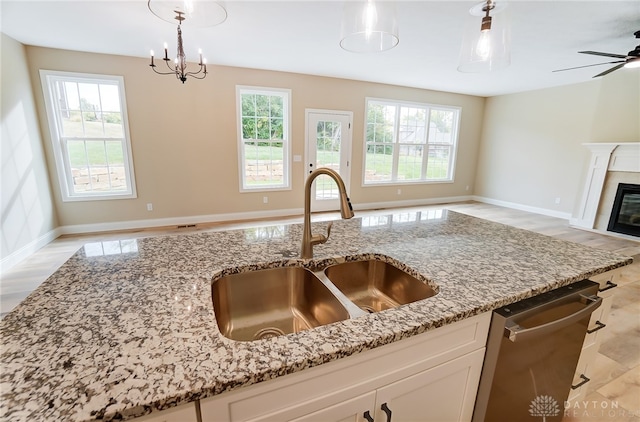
pixel 486 44
pixel 369 27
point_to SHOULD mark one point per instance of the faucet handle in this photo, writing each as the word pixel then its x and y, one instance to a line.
pixel 328 231
pixel 319 239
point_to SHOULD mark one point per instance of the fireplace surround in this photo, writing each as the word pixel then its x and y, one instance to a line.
pixel 609 164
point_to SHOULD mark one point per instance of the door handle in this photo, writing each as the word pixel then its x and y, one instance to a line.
pixel 367 416
pixel 386 410
pixel 514 332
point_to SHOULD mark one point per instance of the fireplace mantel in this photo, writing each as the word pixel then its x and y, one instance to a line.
pixel 623 157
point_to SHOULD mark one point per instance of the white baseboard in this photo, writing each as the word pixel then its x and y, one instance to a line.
pixel 175 221
pixel 516 206
pixel 579 223
pixel 27 250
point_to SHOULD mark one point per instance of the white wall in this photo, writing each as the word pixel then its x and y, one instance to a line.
pixel 28 217
pixel 531 149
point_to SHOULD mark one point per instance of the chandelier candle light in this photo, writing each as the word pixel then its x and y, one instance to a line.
pixel 179 67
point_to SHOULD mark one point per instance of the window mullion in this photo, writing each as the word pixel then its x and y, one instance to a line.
pixel 396 144
pixel 425 153
pixel 67 165
pixel 106 159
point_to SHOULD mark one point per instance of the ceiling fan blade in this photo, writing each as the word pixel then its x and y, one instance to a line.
pixel 597 53
pixel 610 70
pixel 589 65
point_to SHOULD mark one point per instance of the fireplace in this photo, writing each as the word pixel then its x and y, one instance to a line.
pixel 625 215
pixel 615 162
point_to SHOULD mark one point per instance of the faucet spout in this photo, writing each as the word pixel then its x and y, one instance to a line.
pixel 346 210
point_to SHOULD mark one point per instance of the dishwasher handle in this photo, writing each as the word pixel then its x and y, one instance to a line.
pixel 514 332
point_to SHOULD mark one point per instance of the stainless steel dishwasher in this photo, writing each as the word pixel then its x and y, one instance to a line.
pixel 532 354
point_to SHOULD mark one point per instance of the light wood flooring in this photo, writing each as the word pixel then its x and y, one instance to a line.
pixel 617 380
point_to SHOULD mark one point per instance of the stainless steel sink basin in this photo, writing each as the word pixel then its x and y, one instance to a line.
pixel 266 303
pixel 377 285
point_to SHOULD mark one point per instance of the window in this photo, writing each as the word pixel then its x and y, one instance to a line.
pixel 90 135
pixel 263 149
pixel 408 142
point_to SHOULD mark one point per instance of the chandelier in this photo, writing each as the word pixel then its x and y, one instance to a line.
pixel 179 65
pixel 191 13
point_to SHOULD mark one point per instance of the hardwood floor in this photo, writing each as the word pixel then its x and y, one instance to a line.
pixel 618 361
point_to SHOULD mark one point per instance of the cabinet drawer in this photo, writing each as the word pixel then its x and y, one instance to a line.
pixel 353 375
pixel 182 413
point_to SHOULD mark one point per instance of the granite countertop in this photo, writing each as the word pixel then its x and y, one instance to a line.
pixel 128 327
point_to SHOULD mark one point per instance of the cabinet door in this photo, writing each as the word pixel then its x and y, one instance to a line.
pixel 444 393
pixel 349 410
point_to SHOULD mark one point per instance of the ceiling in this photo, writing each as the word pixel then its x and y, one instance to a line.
pixel 303 37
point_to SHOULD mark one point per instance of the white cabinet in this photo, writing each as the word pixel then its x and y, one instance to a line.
pixel 444 393
pixel 182 413
pixel 432 376
pixel 354 409
pixel 597 327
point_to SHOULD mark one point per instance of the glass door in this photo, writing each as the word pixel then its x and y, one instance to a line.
pixel 328 145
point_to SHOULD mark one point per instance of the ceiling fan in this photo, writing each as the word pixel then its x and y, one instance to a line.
pixel 631 60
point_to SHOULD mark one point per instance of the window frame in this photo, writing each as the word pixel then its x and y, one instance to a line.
pixel 286 141
pixel 59 143
pixel 396 144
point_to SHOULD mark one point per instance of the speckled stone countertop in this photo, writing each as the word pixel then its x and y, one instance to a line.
pixel 122 329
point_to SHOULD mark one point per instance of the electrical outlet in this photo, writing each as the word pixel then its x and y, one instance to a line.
pixel 399 191
pixel 265 199
pixel 557 200
pixel 149 206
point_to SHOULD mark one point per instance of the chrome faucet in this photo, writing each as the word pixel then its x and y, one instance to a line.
pixel 346 211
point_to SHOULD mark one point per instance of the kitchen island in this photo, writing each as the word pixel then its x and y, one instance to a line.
pixel 116 335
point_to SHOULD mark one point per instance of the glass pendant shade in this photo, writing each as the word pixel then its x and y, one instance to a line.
pixel 486 43
pixel 197 13
pixel 369 27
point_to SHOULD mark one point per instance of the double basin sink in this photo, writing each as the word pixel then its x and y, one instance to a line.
pixel 258 304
